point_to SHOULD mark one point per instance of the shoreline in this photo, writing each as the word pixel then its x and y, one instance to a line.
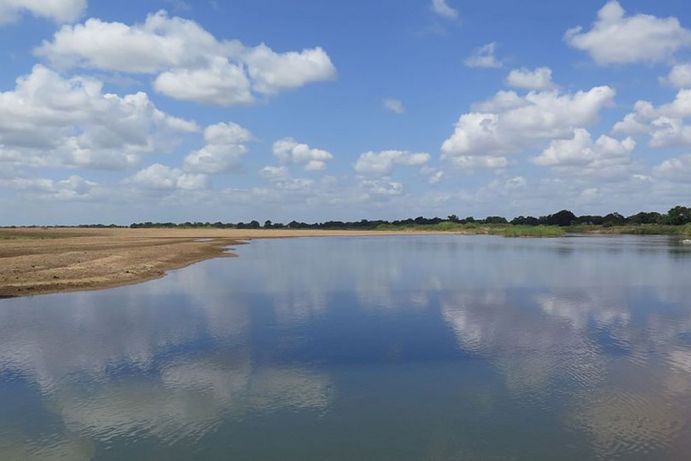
pixel 61 260
pixel 37 261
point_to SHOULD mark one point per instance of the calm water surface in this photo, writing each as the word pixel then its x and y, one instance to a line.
pixel 400 348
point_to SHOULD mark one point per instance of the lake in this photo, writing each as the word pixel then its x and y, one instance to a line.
pixel 380 348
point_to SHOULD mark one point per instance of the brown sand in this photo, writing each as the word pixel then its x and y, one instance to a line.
pixel 38 261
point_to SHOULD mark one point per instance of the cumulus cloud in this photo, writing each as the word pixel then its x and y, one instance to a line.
pixel 434 175
pixel 581 155
pixel 664 124
pixel 508 123
pixel 273 173
pixel 382 163
pixel 615 38
pixel 537 79
pixel 223 151
pixel 220 83
pixel 468 162
pixel 679 76
pixel 677 169
pixel 382 187
pixel 162 177
pixel 49 120
pixel 56 10
pixel 443 9
pixel 189 62
pixel 73 188
pixel 288 150
pixel 272 72
pixel 484 57
pixel 394 105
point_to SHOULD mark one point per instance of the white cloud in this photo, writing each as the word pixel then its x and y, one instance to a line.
pixel 73 188
pixel 666 132
pixel 619 39
pixel 394 105
pixel 434 175
pixel 162 177
pixel 664 124
pixel 679 76
pixel 509 123
pixel 221 83
pixel 56 10
pixel 190 63
pixel 288 150
pixel 677 169
pixel 274 173
pixel 223 152
pixel 382 187
pixel 382 163
pixel 538 79
pixel 469 162
pixel 442 8
pixel 580 155
pixel 272 72
pixel 50 120
pixel 484 57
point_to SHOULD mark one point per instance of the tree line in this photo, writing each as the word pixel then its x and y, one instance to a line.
pixel 679 215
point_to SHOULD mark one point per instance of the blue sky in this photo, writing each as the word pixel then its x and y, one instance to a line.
pixel 312 110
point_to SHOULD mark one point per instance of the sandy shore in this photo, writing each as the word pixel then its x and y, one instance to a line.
pixel 38 261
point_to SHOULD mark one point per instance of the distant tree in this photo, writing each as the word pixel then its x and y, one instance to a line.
pixel 453 218
pixel 590 220
pixel 677 216
pixel 254 224
pixel 518 221
pixel 561 218
pixel 644 218
pixel 613 219
pixel 495 220
pixel 268 224
pixel 525 221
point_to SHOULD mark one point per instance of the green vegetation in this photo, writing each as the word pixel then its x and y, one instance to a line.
pixel 633 229
pixel 532 231
pixel 506 230
pixel 677 221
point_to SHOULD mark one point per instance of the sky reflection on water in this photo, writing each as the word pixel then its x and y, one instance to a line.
pixel 364 348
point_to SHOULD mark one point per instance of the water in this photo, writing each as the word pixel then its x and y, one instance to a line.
pixel 383 348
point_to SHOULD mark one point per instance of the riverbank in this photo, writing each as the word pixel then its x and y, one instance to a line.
pixel 39 261
pixel 50 260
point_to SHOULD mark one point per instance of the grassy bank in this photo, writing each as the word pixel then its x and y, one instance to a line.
pixel 506 230
pixel 510 230
pixel 640 229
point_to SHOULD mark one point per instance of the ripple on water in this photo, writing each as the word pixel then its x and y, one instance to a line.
pixel 624 424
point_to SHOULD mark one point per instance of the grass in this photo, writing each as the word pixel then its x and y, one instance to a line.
pixel 509 230
pixel 531 231
pixel 506 230
pixel 634 229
